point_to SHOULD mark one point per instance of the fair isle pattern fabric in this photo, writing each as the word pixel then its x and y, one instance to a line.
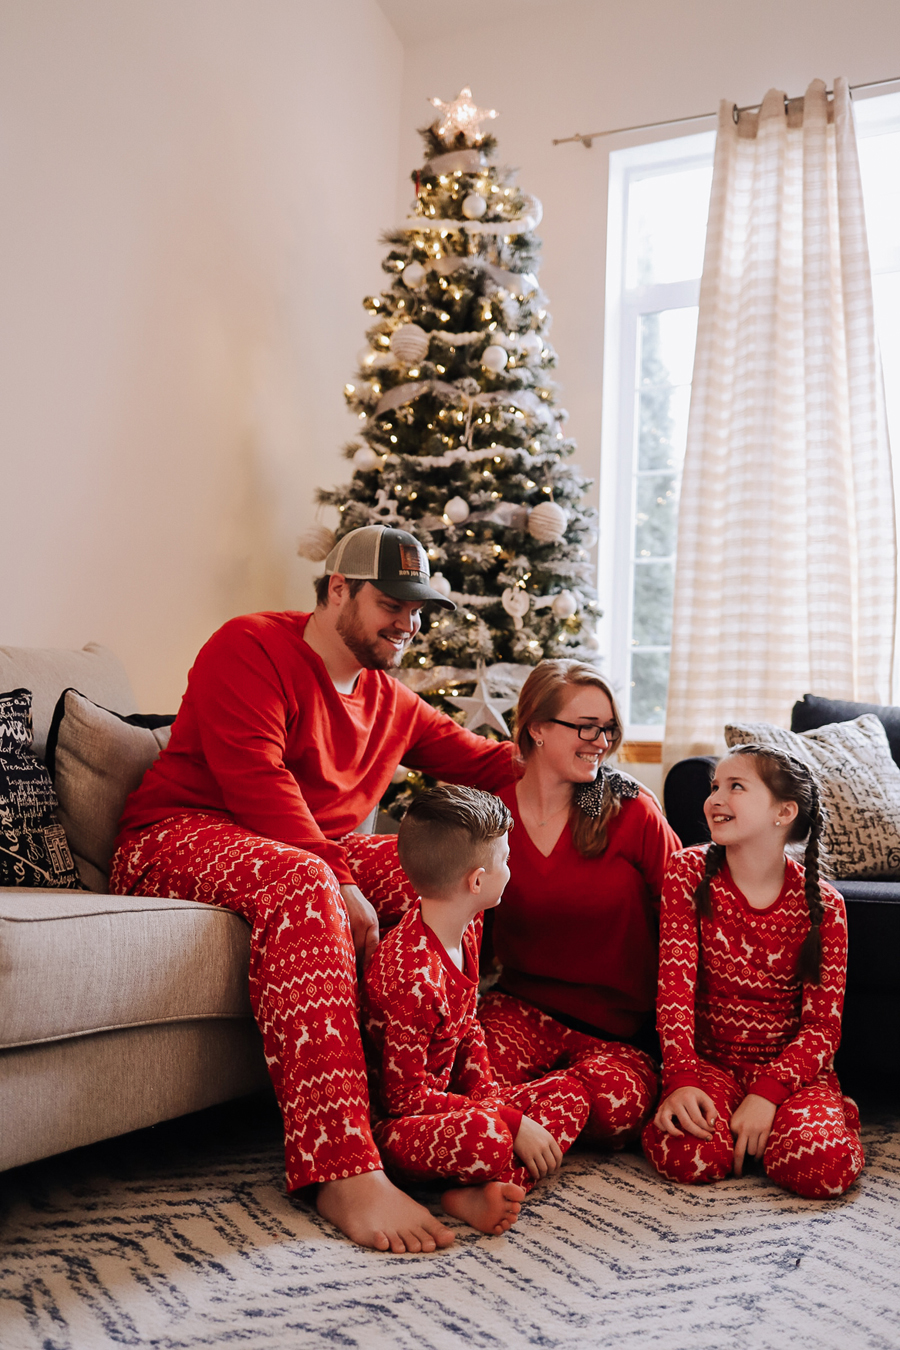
pixel 525 1043
pixel 302 966
pixel 182 1238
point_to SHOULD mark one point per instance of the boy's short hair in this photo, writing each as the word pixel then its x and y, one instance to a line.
pixel 446 832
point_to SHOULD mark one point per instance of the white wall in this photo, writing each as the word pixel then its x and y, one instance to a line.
pixel 192 192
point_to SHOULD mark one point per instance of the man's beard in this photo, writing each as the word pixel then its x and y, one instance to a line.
pixel 349 629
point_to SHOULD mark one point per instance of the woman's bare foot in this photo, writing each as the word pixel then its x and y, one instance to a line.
pixel 491 1208
pixel 370 1210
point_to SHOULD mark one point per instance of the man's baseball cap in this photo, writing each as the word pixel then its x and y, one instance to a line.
pixel 393 560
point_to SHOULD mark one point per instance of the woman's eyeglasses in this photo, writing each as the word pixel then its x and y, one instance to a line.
pixel 586 733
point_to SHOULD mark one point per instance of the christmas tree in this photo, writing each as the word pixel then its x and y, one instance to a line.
pixel 460 437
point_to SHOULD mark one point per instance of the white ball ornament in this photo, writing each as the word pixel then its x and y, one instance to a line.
pixel 409 343
pixel 413 274
pixel 456 510
pixel 366 459
pixel 474 206
pixel 494 358
pixel 530 344
pixel 547 523
pixel 438 582
pixel 316 543
pixel 564 605
pixel 399 774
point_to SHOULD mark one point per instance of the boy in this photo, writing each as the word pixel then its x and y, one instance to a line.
pixel 437 1109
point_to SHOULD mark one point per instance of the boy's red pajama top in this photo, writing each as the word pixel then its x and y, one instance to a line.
pixel 426 1048
pixel 263 737
pixel 745 1006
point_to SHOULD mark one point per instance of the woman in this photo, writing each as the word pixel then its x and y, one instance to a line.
pixel 576 933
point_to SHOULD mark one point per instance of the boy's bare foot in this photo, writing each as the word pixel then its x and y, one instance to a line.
pixel 371 1210
pixel 491 1208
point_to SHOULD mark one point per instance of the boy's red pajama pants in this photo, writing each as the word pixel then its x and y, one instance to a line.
pixel 302 966
pixel 474 1145
pixel 524 1043
pixel 813 1148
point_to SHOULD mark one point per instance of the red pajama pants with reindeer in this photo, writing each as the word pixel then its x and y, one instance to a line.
pixel 525 1043
pixel 302 966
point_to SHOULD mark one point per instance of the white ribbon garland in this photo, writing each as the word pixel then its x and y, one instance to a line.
pixel 521 225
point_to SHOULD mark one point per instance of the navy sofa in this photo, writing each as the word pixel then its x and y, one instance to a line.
pixel 869 1057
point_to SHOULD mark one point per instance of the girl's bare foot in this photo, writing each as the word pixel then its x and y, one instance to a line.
pixel 371 1211
pixel 491 1208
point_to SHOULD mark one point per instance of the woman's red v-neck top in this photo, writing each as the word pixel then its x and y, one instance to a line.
pixel 579 936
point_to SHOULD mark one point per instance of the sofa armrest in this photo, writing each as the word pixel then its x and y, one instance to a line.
pixel 685 790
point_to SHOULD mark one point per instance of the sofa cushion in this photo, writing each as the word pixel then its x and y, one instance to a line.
pixel 73 963
pixel 860 790
pixel 96 758
pixel 33 847
pixel 811 711
pixel 47 671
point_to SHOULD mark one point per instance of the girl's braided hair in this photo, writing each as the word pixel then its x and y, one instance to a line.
pixel 789 780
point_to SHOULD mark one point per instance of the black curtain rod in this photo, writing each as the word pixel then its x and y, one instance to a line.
pixel 587 138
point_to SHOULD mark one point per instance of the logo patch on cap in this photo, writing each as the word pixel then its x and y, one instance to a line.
pixel 412 561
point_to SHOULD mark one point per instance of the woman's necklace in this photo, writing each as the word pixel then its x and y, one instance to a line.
pixel 539 824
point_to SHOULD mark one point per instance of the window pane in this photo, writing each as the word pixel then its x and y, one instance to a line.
pixel 656 516
pixel 662 432
pixel 668 339
pixel 667 226
pixel 886 289
pixel 649 683
pixel 651 624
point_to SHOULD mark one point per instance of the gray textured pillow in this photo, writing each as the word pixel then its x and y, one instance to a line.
pixel 97 759
pixel 860 790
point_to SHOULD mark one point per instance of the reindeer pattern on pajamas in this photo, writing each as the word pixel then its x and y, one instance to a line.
pixel 734 1018
pixel 439 1109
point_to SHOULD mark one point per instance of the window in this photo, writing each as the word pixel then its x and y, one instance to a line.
pixel 656 230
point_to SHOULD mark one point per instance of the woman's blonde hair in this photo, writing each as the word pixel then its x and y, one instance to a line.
pixel 540 700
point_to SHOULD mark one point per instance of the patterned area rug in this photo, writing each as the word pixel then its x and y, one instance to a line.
pixel 181 1236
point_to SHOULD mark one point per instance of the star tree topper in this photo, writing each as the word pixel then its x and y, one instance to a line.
pixel 462 115
pixel 481 709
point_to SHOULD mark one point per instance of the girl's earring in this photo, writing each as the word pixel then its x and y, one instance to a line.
pixel 539 742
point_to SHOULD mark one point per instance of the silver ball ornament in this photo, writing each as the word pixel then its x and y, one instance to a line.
pixel 413 274
pixel 494 358
pixel 438 582
pixel 564 605
pixel 456 510
pixel 366 459
pixel 409 343
pixel 547 523
pixel 474 206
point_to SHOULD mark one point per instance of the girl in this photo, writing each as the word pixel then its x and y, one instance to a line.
pixel 577 932
pixel 753 953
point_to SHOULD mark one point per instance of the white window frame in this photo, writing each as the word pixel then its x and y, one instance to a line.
pixel 630 157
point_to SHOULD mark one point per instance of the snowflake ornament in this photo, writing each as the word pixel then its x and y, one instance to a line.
pixel 460 116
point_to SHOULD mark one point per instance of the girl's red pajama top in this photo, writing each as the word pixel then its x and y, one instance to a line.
pixel 746 1005
pixel 263 737
pixel 577 937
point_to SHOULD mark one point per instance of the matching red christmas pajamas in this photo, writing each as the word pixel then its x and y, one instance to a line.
pixel 735 1019
pixel 439 1109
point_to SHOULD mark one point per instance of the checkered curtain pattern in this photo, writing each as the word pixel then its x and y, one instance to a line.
pixel 786 571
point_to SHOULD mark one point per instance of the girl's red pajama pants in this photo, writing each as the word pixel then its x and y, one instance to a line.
pixel 474 1145
pixel 525 1043
pixel 302 966
pixel 813 1148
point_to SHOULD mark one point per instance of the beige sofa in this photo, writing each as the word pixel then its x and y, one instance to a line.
pixel 115 1013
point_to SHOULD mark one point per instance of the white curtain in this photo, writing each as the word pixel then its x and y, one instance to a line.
pixel 785 580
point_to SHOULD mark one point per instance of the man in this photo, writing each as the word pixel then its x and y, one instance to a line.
pixel 287 737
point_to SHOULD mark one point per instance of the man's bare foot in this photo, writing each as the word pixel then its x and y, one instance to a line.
pixel 371 1210
pixel 491 1208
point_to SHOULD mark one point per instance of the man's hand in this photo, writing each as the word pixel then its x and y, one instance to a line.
pixel 537 1148
pixel 690 1108
pixel 363 922
pixel 751 1125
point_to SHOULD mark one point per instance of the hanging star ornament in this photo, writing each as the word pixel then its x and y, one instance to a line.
pixel 481 709
pixel 460 117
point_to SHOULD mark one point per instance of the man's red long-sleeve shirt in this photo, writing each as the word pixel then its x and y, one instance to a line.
pixel 263 736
